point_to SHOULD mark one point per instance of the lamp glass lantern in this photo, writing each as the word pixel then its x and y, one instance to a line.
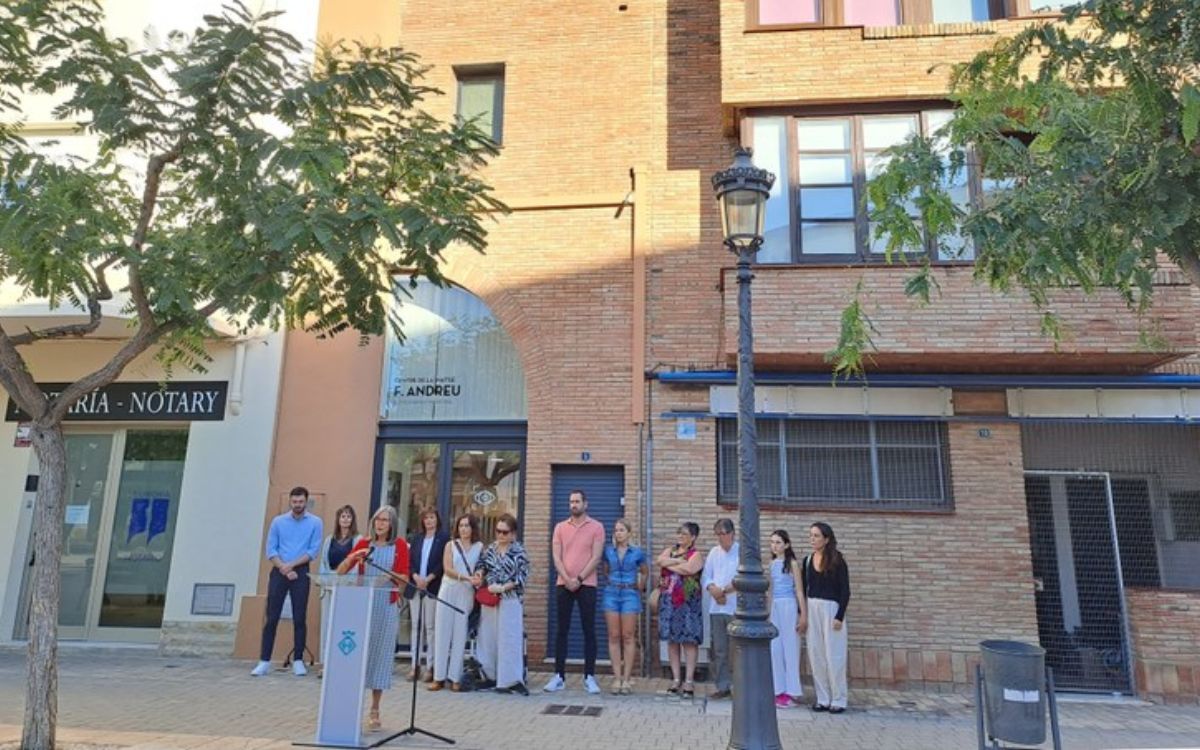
pixel 742 192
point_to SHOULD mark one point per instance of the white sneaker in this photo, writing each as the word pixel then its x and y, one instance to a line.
pixel 589 684
pixel 555 684
pixel 263 669
pixel 298 668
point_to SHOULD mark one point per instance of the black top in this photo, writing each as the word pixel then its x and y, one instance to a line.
pixel 338 550
pixel 832 585
pixel 435 561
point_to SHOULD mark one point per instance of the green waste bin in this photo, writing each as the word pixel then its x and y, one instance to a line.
pixel 1015 691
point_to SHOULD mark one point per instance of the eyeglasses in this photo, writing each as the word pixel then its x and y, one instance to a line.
pixel 503 531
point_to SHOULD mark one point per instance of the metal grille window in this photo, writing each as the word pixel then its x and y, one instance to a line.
pixel 842 464
pixel 1154 476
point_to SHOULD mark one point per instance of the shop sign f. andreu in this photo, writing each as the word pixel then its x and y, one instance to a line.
pixel 184 401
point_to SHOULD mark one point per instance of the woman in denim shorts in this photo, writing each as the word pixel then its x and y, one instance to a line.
pixel 626 568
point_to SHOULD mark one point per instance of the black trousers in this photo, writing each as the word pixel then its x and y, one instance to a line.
pixel 565 601
pixel 278 588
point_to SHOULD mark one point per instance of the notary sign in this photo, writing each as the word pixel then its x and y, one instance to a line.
pixel 184 401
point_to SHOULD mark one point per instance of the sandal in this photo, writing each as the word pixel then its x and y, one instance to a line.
pixel 617 687
pixel 674 689
pixel 626 689
pixel 373 722
pixel 688 692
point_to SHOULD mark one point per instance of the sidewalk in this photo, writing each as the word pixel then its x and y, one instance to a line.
pixel 135 699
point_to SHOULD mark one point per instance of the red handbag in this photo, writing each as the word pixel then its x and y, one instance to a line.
pixel 486 598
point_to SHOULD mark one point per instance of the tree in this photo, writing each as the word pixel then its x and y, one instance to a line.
pixel 234 178
pixel 1086 129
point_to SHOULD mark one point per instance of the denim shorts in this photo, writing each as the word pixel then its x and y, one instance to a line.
pixel 622 601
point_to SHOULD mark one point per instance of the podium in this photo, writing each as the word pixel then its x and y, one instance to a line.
pixel 347 639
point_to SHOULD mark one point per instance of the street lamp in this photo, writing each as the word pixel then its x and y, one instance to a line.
pixel 742 192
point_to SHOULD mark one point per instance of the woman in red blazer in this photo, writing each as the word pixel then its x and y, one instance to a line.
pixel 388 551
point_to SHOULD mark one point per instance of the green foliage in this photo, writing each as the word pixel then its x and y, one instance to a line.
pixel 233 175
pixel 1086 133
pixel 849 355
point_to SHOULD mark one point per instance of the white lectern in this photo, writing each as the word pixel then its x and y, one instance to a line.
pixel 344 655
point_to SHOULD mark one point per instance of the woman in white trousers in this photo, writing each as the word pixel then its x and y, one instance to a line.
pixel 826 586
pixel 504 568
pixel 458 563
pixel 788 612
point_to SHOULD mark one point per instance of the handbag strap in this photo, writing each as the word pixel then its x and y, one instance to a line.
pixel 463 556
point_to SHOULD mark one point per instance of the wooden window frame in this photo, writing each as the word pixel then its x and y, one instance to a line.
pixel 862 239
pixel 485 72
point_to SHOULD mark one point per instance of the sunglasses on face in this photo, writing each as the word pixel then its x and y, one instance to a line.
pixel 503 531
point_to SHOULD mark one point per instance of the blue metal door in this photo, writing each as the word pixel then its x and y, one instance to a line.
pixel 605 489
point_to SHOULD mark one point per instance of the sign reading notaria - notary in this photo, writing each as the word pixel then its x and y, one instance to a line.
pixel 187 401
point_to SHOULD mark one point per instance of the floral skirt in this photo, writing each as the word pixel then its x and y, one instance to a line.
pixel 680 624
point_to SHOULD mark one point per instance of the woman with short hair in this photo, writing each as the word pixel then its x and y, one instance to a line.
pixel 389 560
pixel 503 570
pixel 680 621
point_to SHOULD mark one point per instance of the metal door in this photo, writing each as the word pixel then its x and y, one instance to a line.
pixel 1080 592
pixel 605 488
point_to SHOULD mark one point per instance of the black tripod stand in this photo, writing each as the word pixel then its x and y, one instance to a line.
pixel 419 599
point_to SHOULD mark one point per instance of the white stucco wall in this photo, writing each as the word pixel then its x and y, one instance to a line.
pixel 221 508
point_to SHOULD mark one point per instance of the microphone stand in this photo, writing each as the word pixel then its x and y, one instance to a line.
pixel 422 595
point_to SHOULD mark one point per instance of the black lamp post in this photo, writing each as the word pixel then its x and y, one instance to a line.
pixel 742 191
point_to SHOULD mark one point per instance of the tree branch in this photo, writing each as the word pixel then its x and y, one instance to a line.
pixel 141 341
pixel 17 380
pixel 63 331
pixel 154 170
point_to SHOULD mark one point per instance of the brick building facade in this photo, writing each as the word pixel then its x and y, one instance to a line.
pixel 610 280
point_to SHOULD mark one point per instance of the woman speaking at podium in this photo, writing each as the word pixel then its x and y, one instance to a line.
pixel 388 554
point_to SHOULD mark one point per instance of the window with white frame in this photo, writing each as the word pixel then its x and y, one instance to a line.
pixel 875 13
pixel 817 210
pixel 869 464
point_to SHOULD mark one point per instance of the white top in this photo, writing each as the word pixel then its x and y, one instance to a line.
pixel 464 568
pixel 720 567
pixel 426 548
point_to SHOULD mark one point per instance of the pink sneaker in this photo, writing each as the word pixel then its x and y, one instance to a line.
pixel 783 701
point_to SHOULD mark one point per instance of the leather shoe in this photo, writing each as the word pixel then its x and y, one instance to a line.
pixel 819 708
pixel 435 686
pixel 836 710
pixel 717 695
pixel 456 687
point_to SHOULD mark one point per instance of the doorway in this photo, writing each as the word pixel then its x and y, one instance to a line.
pixel 605 488
pixel 1079 587
pixel 122 502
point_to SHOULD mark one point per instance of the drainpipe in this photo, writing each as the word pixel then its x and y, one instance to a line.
pixel 239 375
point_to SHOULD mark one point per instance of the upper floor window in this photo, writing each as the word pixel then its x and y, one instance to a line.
pixel 817 209
pixel 880 12
pixel 481 97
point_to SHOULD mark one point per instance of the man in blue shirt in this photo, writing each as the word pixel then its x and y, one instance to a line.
pixel 293 540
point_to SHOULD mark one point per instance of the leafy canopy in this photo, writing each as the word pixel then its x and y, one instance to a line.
pixel 232 175
pixel 1086 133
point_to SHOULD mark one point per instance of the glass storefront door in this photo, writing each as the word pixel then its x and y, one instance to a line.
pixel 88 468
pixel 486 482
pixel 455 478
pixel 143 530
pixel 122 500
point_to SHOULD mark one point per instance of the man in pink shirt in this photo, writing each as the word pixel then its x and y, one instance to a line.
pixel 578 546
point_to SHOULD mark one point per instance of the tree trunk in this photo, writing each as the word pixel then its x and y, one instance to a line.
pixel 41 694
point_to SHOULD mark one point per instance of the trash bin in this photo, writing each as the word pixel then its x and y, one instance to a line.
pixel 1014 680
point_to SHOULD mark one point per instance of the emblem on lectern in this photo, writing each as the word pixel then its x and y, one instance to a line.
pixel 347 644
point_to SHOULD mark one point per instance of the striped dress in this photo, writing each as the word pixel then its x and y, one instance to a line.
pixel 385 621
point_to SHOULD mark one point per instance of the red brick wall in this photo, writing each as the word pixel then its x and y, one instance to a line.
pixel 1166 643
pixel 926 588
pixel 797 311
